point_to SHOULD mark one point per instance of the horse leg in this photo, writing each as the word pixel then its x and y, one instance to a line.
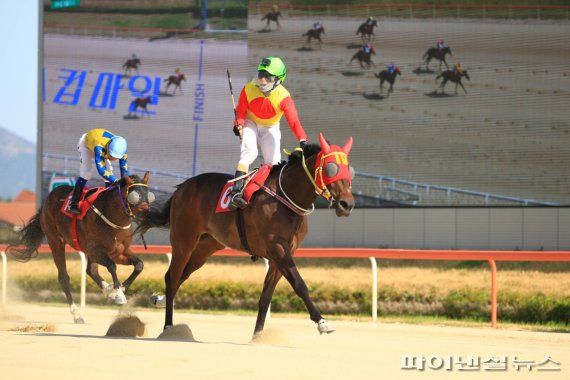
pixel 443 84
pixel 381 86
pixel 461 84
pixel 128 258
pixel 116 295
pixel 93 272
pixel 58 253
pixel 282 255
pixel 271 279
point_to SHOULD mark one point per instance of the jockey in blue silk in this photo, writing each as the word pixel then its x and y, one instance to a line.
pixel 98 148
pixel 391 68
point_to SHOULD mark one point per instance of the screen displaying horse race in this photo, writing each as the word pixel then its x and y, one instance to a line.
pixel 448 106
pixel 146 73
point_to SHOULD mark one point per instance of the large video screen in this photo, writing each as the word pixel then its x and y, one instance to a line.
pixel 146 71
pixel 501 137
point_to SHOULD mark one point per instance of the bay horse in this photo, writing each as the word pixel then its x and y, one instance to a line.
pixel 365 59
pixel 176 81
pixel 438 54
pixel 386 76
pixel 141 103
pixel 316 34
pixel 366 30
pixel 104 235
pixel 132 64
pixel 272 16
pixel 273 225
pixel 453 76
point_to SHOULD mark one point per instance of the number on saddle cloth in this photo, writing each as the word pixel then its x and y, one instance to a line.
pixel 89 193
pixel 253 184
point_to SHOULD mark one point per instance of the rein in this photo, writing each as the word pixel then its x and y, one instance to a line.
pixel 126 206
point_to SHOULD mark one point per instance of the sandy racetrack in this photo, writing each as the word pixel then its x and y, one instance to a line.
pixel 291 349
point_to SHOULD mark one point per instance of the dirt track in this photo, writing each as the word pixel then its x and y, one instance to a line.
pixel 508 135
pixel 292 349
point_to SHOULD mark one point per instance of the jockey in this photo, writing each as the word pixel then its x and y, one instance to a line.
pixel 317 25
pixel 391 68
pixel 367 48
pixel 457 68
pixel 440 44
pixel 98 147
pixel 134 56
pixel 369 20
pixel 262 103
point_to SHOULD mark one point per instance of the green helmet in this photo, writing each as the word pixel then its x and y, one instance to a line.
pixel 274 66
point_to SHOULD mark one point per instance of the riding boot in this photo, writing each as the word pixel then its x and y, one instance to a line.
pixel 74 202
pixel 237 192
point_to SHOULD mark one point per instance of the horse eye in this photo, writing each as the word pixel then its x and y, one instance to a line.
pixel 134 198
pixel 331 169
pixel 352 172
pixel 150 197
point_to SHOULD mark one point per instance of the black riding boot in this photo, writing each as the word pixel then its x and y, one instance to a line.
pixel 74 202
pixel 237 192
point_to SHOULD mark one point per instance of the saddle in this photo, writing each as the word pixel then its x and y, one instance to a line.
pixel 253 182
pixel 88 197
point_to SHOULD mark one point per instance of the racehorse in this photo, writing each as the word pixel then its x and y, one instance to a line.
pixel 386 76
pixel 104 234
pixel 436 53
pixel 175 80
pixel 453 76
pixel 273 225
pixel 364 58
pixel 272 16
pixel 131 64
pixel 316 34
pixel 142 103
pixel 366 30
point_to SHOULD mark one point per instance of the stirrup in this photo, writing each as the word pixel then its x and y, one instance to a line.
pixel 238 201
pixel 74 208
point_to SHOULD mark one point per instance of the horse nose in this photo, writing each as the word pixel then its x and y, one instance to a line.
pixel 346 206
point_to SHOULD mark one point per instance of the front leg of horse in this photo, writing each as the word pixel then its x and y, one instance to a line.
pixel 116 295
pixel 138 266
pixel 271 279
pixel 461 84
pixel 93 272
pixel 287 267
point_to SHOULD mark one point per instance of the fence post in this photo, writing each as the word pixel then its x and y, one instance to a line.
pixel 83 279
pixel 493 293
pixel 374 288
pixel 4 275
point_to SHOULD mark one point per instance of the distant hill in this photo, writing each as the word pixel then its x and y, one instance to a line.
pixel 18 168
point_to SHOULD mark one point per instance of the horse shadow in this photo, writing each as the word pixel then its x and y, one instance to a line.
pixel 350 73
pixel 419 71
pixel 436 94
pixel 264 31
pixel 165 94
pixel 304 48
pixel 353 46
pixel 130 117
pixel 369 96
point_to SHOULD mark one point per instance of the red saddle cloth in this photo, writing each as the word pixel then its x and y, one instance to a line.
pixel 254 182
pixel 87 198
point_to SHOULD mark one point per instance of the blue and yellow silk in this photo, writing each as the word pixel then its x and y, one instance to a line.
pixel 96 140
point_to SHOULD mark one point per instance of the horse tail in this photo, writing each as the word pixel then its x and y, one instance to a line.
pixel 30 238
pixel 154 217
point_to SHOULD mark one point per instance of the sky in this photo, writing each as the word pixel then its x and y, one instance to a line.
pixel 19 67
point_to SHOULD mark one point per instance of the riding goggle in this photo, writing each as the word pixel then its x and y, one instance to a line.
pixel 266 75
pixel 135 197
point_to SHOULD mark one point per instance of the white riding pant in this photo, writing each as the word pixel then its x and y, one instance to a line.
pixel 87 157
pixel 269 139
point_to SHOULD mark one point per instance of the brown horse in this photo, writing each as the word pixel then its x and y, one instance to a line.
pixel 438 54
pixel 366 30
pixel 364 58
pixel 104 235
pixel 132 64
pixel 140 103
pixel 386 76
pixel 316 34
pixel 175 80
pixel 272 16
pixel 453 76
pixel 273 225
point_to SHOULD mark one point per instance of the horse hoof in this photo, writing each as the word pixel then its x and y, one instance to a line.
pixel 78 321
pixel 158 300
pixel 324 327
pixel 118 297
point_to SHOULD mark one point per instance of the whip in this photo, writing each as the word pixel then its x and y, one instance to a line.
pixel 233 100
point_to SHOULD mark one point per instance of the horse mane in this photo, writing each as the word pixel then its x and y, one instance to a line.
pixel 295 157
pixel 134 177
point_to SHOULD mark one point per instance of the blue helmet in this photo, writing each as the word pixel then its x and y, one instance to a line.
pixel 117 147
